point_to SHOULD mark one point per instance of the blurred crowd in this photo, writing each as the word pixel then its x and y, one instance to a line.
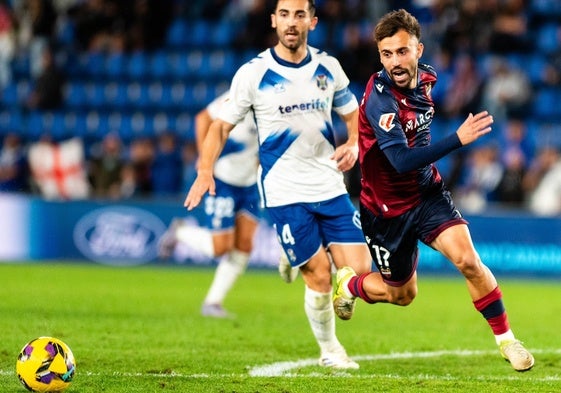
pixel 477 47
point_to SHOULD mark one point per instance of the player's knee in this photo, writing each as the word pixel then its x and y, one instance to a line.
pixel 404 297
pixel 470 266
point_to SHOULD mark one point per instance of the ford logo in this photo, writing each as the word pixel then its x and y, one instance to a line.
pixel 119 235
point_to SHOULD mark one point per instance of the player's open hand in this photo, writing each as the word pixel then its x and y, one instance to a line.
pixel 474 127
pixel 345 156
pixel 203 183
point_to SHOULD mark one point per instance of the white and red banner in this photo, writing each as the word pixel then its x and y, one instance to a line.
pixel 58 169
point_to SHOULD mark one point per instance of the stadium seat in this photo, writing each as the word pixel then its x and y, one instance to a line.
pixel 136 95
pixel 95 95
pixel 196 62
pixel 21 66
pixel 45 123
pixel 96 125
pixel 546 104
pixel 11 121
pixel 221 63
pixel 162 122
pixel 548 37
pixel 199 33
pixel 548 134
pixel 535 66
pixel 115 95
pixel 65 31
pixel 547 9
pixel 10 97
pixel 159 66
pixel 93 64
pixel 223 33
pixel 177 34
pixel 184 126
pixel 179 65
pixel 134 125
pixel 137 66
pixel 115 65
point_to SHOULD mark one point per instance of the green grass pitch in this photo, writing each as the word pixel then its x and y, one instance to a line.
pixel 139 330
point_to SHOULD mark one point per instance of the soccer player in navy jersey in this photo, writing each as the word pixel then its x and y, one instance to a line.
pixel 291 90
pixel 403 198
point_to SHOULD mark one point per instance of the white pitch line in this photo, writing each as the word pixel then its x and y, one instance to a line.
pixel 279 369
pixel 283 369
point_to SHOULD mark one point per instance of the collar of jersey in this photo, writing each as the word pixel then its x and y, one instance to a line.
pixel 285 63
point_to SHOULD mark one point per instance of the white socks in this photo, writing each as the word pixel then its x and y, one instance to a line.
pixel 230 267
pixel 321 316
pixel 197 238
pixel 505 336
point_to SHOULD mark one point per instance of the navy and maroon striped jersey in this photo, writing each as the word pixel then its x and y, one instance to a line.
pixel 390 116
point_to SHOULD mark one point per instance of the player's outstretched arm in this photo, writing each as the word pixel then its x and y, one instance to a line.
pixel 346 154
pixel 474 127
pixel 212 147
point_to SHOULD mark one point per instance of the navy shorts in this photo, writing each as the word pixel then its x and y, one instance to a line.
pixel 230 201
pixel 393 242
pixel 302 228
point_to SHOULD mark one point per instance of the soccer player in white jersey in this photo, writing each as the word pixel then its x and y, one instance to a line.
pixel 291 89
pixel 232 214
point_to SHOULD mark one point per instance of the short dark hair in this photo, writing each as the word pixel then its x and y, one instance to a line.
pixel 394 21
pixel 311 6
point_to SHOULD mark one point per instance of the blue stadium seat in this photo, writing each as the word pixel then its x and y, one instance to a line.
pixel 199 33
pixel 546 8
pixel 11 121
pixel 546 103
pixel 95 95
pixel 65 31
pixel 138 66
pixel 115 95
pixel 21 65
pixel 159 66
pixel 93 64
pixel 115 65
pixel 535 65
pixel 43 123
pixel 184 126
pixel 548 134
pixel 155 91
pixel 179 65
pixel 196 63
pixel 10 96
pixel 61 125
pixel 180 94
pixel 95 125
pixel 223 33
pixel 75 123
pixel 75 95
pixel 134 125
pixel 221 63
pixel 177 33
pixel 137 95
pixel 161 122
pixel 546 39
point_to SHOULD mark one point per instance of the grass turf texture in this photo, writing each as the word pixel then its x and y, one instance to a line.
pixel 139 330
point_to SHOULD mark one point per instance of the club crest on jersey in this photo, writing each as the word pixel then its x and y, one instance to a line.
pixel 386 121
pixel 321 81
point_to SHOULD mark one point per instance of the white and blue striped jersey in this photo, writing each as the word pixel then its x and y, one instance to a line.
pixel 292 105
pixel 238 162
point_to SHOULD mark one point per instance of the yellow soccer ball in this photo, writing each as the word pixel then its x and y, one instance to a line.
pixel 45 364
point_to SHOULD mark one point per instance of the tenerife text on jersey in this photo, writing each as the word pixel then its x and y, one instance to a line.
pixel 316 104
